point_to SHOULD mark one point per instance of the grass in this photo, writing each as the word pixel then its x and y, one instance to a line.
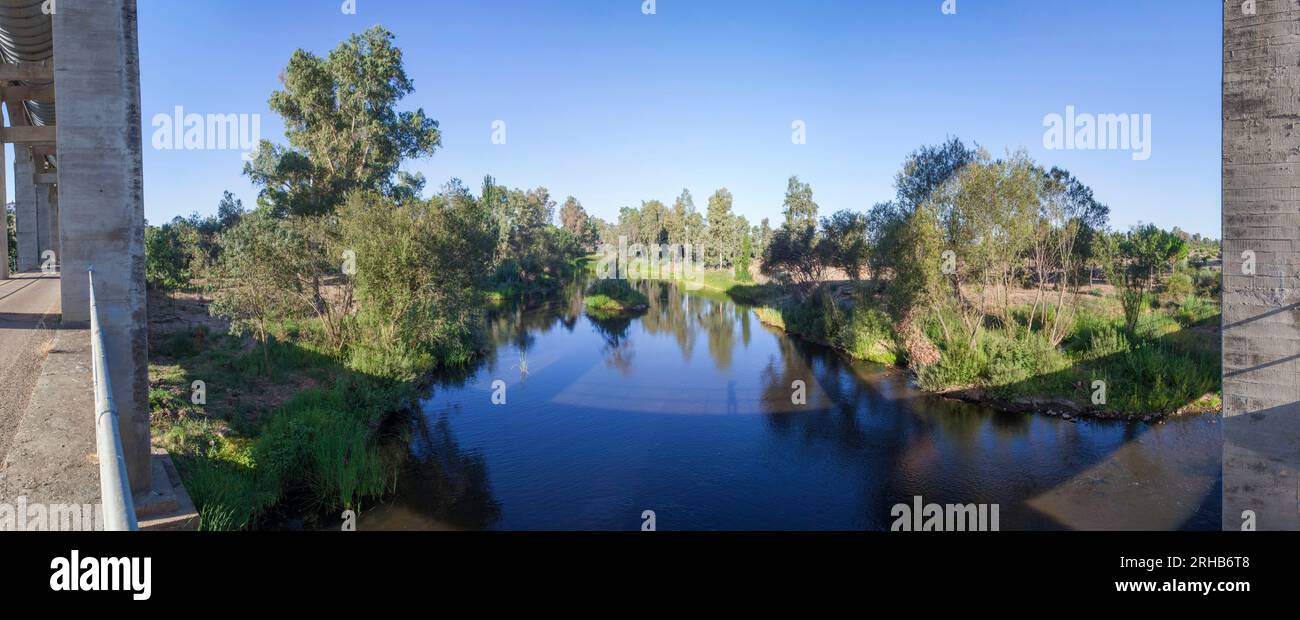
pixel 1168 363
pixel 613 297
pixel 307 440
pixel 863 331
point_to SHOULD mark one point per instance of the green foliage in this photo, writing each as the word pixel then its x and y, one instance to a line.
pixel 11 230
pixel 1194 310
pixel 1179 286
pixel 531 254
pixel 866 334
pixel 320 450
pixel 344 130
pixel 850 249
pixel 720 237
pixel 167 256
pixel 610 297
pixel 1134 260
pixel 419 268
pixel 263 276
pixel 800 211
pixel 798 256
pixel 742 259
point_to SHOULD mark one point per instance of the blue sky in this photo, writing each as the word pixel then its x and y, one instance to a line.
pixel 615 107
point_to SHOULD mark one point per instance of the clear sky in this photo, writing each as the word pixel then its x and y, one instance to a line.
pixel 614 106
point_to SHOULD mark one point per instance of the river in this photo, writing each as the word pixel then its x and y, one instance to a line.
pixel 687 411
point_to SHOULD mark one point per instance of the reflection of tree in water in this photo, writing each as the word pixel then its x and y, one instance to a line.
pixel 746 332
pixel 446 482
pixel 519 323
pixel 720 323
pixel 617 350
pixel 670 312
pixel 845 398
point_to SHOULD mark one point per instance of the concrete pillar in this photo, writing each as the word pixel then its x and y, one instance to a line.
pixel 4 211
pixel 52 193
pixel 44 231
pixel 1261 271
pixel 101 199
pixel 25 209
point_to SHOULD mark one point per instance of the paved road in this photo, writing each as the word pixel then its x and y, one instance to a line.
pixel 29 310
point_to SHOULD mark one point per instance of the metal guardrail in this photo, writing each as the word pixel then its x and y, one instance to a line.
pixel 114 485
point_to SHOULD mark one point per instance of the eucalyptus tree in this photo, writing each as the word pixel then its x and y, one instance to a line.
pixel 343 128
pixel 721 232
pixel 799 209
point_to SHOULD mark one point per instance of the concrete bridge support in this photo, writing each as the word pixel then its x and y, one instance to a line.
pixel 1261 273
pixel 47 217
pixel 101 199
pixel 45 230
pixel 25 209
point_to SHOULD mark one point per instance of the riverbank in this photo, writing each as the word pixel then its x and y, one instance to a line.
pixel 1168 365
pixel 289 437
pixel 259 449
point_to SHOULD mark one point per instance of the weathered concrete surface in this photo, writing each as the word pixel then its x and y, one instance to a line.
pixel 4 200
pixel 45 230
pixel 1261 311
pixel 101 200
pixel 25 209
pixel 168 506
pixel 52 456
pixel 29 310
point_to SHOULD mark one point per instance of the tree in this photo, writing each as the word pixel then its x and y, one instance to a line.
pixel 654 223
pixel 721 233
pixel 529 214
pixel 1060 247
pixel 929 168
pixel 763 237
pixel 343 129
pixel 11 231
pixel 742 260
pixel 574 220
pixel 260 277
pixel 924 171
pixel 985 215
pixel 797 255
pixel 1134 261
pixel 849 247
pixel 229 210
pixel 166 258
pixel 800 210
pixel 407 315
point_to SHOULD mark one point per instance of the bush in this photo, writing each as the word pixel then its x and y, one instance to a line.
pixel 1209 283
pixel 1193 310
pixel 1003 358
pixel 1179 286
pixel 867 334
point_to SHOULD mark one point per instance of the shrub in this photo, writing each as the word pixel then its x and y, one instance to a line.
pixel 1179 286
pixel 1193 310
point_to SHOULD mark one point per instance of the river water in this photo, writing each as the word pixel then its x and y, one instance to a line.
pixel 687 411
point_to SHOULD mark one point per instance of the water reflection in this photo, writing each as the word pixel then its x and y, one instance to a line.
pixel 619 415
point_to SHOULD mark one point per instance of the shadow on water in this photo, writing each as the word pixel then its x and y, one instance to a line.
pixel 686 409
